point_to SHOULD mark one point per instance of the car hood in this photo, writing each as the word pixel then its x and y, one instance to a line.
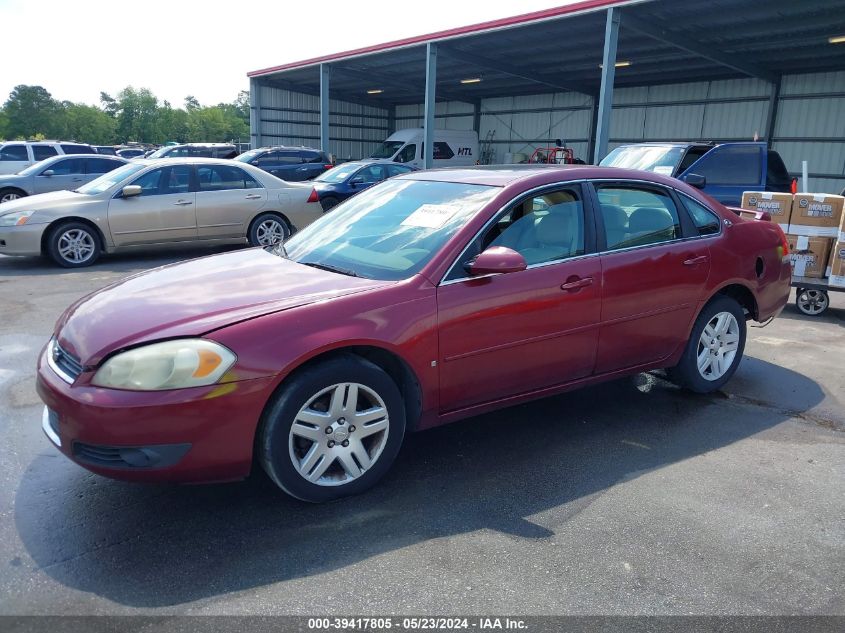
pixel 194 298
pixel 55 202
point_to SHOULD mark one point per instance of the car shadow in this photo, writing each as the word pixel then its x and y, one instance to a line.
pixel 155 546
pixel 12 266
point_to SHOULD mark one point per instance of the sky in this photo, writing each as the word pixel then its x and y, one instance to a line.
pixel 205 48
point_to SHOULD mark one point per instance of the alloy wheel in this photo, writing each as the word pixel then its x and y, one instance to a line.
pixel 270 232
pixel 812 302
pixel 8 197
pixel 339 434
pixel 718 346
pixel 76 246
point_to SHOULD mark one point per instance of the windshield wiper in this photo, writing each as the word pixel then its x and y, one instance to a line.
pixel 331 269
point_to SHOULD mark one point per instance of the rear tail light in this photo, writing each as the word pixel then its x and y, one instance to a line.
pixel 327 166
pixel 794 186
pixel 313 197
pixel 783 248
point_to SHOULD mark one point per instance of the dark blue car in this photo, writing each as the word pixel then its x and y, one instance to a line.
pixel 347 179
pixel 289 163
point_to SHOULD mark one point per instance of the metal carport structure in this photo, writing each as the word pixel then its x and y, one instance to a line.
pixel 601 72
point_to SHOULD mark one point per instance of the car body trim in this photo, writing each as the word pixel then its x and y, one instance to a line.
pixel 48 429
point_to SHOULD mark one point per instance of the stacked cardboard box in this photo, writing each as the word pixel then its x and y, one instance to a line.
pixel 816 215
pixel 808 255
pixel 836 266
pixel 777 205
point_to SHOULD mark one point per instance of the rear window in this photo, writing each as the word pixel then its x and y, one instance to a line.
pixel 777 176
pixel 70 148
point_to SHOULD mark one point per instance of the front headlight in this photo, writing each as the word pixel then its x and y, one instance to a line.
pixel 170 365
pixel 15 219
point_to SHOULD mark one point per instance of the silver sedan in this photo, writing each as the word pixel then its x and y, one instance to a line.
pixel 56 173
pixel 149 203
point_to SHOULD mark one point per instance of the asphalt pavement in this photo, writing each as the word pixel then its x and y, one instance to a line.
pixel 632 497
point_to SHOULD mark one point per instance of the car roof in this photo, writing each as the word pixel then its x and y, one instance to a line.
pixel 287 147
pixel 188 160
pixel 504 175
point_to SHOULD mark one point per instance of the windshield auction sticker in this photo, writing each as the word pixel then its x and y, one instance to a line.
pixel 432 216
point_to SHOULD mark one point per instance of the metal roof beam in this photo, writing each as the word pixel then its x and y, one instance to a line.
pixel 377 80
pixel 505 68
pixel 658 32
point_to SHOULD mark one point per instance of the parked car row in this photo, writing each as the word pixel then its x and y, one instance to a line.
pixel 56 173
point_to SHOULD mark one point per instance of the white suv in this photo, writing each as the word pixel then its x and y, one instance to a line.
pixel 17 155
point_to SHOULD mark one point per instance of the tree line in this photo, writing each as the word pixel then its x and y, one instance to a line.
pixel 132 115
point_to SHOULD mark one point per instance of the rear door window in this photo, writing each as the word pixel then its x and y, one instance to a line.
pixel 224 177
pixel 777 176
pixel 70 148
pixel 635 216
pixel 395 170
pixel 705 220
pixel 41 152
pixel 102 165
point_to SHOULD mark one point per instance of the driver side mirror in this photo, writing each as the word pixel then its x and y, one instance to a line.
pixel 358 180
pixel 48 173
pixel 497 260
pixel 695 180
pixel 130 191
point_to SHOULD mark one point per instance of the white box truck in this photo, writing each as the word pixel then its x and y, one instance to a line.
pixel 452 148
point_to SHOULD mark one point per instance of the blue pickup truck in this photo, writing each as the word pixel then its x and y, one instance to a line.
pixel 722 170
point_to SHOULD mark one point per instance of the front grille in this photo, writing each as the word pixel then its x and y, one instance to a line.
pixel 99 455
pixel 64 362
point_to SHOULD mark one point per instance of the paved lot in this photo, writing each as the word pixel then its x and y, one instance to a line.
pixel 631 497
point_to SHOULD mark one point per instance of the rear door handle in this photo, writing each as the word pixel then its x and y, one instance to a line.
pixel 253 196
pixel 695 261
pixel 577 284
pixel 182 203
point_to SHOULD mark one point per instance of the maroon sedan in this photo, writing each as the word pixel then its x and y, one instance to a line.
pixel 430 297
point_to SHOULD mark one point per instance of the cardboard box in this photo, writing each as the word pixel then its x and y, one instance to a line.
pixel 777 205
pixel 836 270
pixel 808 255
pixel 816 215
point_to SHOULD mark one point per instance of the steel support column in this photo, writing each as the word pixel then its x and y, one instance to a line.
pixel 391 119
pixel 325 73
pixel 608 74
pixel 254 113
pixel 772 114
pixel 430 93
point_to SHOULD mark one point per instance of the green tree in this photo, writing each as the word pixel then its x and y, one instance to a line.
pixel 31 110
pixel 136 112
pixel 88 124
pixel 4 124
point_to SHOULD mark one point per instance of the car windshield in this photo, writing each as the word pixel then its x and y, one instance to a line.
pixel 338 174
pixel 37 167
pixel 661 159
pixel 387 149
pixel 389 231
pixel 106 181
pixel 160 153
pixel 248 156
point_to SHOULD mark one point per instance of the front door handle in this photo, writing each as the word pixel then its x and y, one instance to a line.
pixel 695 261
pixel 182 203
pixel 253 196
pixel 574 285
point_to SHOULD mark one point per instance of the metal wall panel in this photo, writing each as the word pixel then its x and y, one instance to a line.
pixel 741 119
pixel 673 122
pixel 813 83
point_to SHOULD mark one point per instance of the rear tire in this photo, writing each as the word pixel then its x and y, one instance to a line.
pixel 332 430
pixel 714 349
pixel 9 194
pixel 268 229
pixel 329 202
pixel 811 302
pixel 73 245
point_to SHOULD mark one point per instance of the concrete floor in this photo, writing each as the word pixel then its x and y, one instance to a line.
pixel 627 498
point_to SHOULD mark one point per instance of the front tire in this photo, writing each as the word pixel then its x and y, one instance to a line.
pixel 714 349
pixel 268 229
pixel 73 245
pixel 9 194
pixel 332 430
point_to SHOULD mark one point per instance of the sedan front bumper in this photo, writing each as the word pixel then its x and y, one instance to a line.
pixel 201 434
pixel 21 240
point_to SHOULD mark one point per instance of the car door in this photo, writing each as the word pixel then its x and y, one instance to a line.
pixel 63 173
pixel 314 164
pixel 13 158
pixel 730 169
pixel 502 335
pixel 164 212
pixel 366 178
pixel 227 198
pixel 654 269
